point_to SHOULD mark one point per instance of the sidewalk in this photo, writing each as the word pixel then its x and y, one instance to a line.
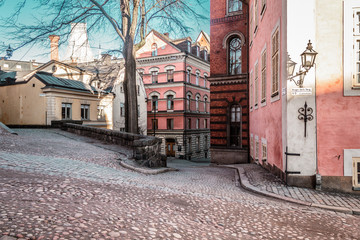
pixel 258 180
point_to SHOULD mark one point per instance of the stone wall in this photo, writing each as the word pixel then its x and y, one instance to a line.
pixel 146 149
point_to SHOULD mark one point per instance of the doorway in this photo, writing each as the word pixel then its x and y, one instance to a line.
pixel 170 147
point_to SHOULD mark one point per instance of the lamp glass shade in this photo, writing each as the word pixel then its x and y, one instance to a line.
pixel 9 52
pixel 308 57
pixel 290 67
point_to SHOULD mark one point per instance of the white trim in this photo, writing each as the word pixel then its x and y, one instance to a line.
pixel 169 67
pixel 154 93
pixel 230 34
pixel 154 69
pixel 169 92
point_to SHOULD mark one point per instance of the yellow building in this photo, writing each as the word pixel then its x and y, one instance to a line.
pixel 44 98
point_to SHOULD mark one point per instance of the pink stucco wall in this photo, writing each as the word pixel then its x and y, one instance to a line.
pixel 266 121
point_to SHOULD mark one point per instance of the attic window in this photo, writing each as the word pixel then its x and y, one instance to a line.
pixel 197 51
pixel 6 65
pixel 189 46
pixel 18 66
pixel 205 55
pixel 154 50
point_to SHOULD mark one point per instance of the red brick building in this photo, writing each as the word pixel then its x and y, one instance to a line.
pixel 175 75
pixel 229 116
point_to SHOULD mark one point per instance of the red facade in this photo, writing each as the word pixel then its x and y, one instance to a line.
pixel 229 85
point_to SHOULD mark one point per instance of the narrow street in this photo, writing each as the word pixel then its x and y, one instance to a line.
pixel 56 185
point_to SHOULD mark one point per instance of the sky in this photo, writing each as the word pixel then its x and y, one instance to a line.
pixel 107 41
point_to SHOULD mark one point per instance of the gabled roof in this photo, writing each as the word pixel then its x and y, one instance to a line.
pixel 206 36
pixel 165 39
pixel 51 81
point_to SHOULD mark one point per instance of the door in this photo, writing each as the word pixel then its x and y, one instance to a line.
pixel 170 148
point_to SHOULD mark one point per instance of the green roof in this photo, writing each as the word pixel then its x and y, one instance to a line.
pixel 5 75
pixel 51 81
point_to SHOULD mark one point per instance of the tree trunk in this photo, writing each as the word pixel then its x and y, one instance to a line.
pixel 131 106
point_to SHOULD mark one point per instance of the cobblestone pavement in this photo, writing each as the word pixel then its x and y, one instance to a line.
pixel 267 182
pixel 64 187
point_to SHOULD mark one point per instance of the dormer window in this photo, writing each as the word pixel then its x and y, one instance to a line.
pixel 189 46
pixel 154 50
pixel 234 6
pixel 205 55
pixel 197 51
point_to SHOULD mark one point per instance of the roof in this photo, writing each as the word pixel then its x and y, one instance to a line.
pixel 51 81
pixel 7 75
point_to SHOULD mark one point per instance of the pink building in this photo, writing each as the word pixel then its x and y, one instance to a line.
pixel 323 151
pixel 175 76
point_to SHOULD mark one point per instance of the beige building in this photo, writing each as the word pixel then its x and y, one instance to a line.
pixel 44 98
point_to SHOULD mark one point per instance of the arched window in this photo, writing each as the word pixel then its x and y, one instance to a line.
pixel 188 97
pixel 235 126
pixel 205 104
pixel 154 100
pixel 234 6
pixel 234 56
pixel 154 50
pixel 197 77
pixel 197 102
pixel 170 102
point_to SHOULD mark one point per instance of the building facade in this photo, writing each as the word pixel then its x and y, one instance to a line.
pixel 321 151
pixel 229 110
pixel 175 77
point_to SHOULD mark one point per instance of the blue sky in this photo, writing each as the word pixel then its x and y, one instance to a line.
pixel 107 40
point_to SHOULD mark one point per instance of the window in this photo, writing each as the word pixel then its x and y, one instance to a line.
pixel 357 63
pixel 154 102
pixel 189 145
pixel 257 149
pixel 154 123
pixel 189 46
pixel 256 15
pixel 170 75
pixel 197 103
pixel 138 90
pixel 18 66
pixel 234 6
pixel 170 123
pixel 256 84
pixel 154 77
pixel 188 103
pixel 264 152
pixel 205 143
pixel 85 113
pixel 188 74
pixel 154 50
pixel 66 111
pixel 235 126
pixel 263 7
pixel 198 144
pixel 170 102
pixel 205 55
pixel 205 80
pixel 263 77
pixel 101 113
pixel 95 83
pixel 251 146
pixel 189 123
pixel 251 93
pixel 251 17
pixel 197 78
pixel 275 64
pixel 205 104
pixel 197 123
pixel 356 172
pixel 205 123
pixel 234 56
pixel 197 51
pixel 122 109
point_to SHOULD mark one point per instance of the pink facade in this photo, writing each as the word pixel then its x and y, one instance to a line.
pixel 265 112
pixel 169 71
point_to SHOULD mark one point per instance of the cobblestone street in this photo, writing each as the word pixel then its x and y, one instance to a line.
pixel 56 185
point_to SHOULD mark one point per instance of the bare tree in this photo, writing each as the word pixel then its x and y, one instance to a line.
pixel 129 19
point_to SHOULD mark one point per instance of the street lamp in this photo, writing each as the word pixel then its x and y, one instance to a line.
pixel 307 62
pixel 308 56
pixel 9 52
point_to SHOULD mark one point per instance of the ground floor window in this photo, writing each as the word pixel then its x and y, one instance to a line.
pixel 235 126
pixel 85 112
pixel 356 172
pixel 101 113
pixel 154 124
pixel 66 111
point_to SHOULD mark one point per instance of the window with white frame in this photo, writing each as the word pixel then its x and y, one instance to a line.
pixel 170 102
pixel 205 104
pixel 205 80
pixel 188 102
pixel 256 84
pixel 101 112
pixel 263 76
pixel 197 123
pixel 256 16
pixel 356 77
pixel 154 102
pixel 188 75
pixel 197 78
pixel 256 149
pixel 154 50
pixel 197 51
pixel 275 63
pixel 170 75
pixel 66 111
pixel 122 109
pixel 264 152
pixel 251 93
pixel 189 46
pixel 251 146
pixel 356 172
pixel 85 112
pixel 234 6
pixel 205 55
pixel 154 76
pixel 197 102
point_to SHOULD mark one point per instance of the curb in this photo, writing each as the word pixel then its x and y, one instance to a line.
pixel 6 128
pixel 144 170
pixel 244 182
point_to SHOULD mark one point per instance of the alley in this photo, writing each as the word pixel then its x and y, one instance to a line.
pixel 56 185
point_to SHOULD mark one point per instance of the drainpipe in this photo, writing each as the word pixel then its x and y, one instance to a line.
pixel 185 101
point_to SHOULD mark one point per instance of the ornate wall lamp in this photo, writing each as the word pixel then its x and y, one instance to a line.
pixel 307 62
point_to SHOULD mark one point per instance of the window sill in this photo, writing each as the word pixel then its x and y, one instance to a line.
pixel 356 188
pixel 355 88
pixel 230 14
pixel 263 100
pixel 170 110
pixel 275 94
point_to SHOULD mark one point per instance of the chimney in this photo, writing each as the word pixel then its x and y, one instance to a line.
pixel 166 34
pixel 54 46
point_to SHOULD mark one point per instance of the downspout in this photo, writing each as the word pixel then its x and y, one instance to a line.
pixel 185 102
